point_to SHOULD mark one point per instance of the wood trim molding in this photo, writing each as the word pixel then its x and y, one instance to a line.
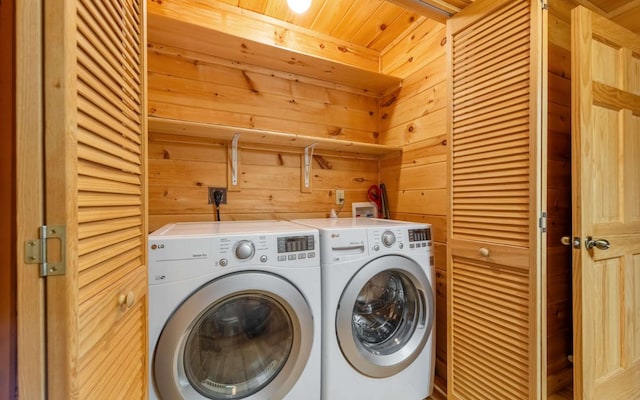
pixel 7 205
pixel 31 377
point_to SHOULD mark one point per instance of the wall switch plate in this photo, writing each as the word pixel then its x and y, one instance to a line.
pixel 212 190
pixel 339 196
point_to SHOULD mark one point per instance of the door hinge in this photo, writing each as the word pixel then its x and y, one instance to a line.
pixel 542 222
pixel 36 251
pixel 544 4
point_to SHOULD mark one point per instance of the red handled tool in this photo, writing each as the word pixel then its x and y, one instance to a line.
pixel 375 196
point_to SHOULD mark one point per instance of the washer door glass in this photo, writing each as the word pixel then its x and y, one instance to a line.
pixel 385 314
pixel 244 335
pixel 238 346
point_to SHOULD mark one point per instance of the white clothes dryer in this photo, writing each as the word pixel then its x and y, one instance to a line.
pixel 378 336
pixel 234 311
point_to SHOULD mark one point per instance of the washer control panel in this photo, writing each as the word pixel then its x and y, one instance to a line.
pixel 388 238
pixel 173 260
pixel 183 251
pixel 274 249
pixel 244 249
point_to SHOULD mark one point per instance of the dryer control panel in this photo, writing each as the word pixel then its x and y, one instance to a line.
pixel 401 239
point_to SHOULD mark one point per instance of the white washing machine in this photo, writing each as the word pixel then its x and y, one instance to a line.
pixel 234 311
pixel 378 336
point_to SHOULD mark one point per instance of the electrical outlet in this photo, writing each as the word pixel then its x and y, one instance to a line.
pixel 339 196
pixel 212 190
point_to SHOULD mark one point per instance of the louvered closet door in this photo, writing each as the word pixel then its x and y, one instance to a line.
pixel 493 285
pixel 95 187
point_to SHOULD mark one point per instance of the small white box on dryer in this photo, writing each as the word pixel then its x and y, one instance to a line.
pixel 364 209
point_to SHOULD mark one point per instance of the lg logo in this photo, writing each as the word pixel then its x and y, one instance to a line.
pixel 157 246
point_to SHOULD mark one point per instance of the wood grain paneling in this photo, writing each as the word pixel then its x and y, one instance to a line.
pixel 29 181
pixel 96 187
pixel 441 329
pixel 216 28
pixel 606 149
pixel 606 186
pixel 200 87
pixel 372 24
pixel 559 308
pixel 493 276
pixel 195 87
pixel 384 20
pixel 491 311
pixel 416 180
pixel 491 149
pixel 110 169
pixel 408 55
pixel 181 172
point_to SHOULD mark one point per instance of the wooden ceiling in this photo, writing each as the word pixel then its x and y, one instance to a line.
pixel 375 24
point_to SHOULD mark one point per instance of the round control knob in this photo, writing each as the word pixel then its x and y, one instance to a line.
pixel 388 238
pixel 244 249
pixel 263 258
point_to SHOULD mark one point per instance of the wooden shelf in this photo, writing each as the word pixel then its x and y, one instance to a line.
pixel 249 38
pixel 226 133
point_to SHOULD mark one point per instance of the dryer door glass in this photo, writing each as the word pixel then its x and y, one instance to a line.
pixel 385 313
pixel 238 346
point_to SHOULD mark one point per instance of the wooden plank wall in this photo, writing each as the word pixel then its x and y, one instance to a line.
pixel 559 300
pixel 416 181
pixel 198 87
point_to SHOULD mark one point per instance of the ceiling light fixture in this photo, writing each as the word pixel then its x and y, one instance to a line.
pixel 299 6
pixel 421 6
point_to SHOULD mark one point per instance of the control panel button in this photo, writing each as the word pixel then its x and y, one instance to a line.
pixel 264 258
pixel 282 258
pixel 376 247
pixel 224 262
pixel 388 238
pixel 245 249
pixel 311 255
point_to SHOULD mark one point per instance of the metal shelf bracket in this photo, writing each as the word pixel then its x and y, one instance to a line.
pixel 234 159
pixel 308 158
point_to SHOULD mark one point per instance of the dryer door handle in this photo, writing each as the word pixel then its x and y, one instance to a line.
pixel 423 307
